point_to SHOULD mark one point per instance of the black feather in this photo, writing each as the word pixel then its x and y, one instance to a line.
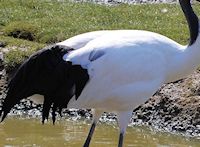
pixel 46 73
pixel 80 77
pixel 43 73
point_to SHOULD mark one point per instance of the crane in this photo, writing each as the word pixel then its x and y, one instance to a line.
pixel 118 70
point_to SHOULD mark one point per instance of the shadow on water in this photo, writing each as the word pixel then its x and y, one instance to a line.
pixel 31 133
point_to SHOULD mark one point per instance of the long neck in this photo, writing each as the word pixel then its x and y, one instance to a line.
pixel 192 52
pixel 189 58
pixel 192 20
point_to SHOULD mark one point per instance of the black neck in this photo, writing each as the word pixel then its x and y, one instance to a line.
pixel 192 19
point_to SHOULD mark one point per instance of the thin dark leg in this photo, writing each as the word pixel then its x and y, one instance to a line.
pixel 121 138
pixel 89 137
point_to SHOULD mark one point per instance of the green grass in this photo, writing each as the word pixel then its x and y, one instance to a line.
pixel 49 21
pixel 56 21
pixel 21 49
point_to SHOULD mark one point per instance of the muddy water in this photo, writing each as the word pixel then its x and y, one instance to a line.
pixel 31 133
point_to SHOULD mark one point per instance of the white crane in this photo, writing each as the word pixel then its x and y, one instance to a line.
pixel 121 69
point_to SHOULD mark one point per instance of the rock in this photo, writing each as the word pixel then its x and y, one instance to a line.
pixel 2 44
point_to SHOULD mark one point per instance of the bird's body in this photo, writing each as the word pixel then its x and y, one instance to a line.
pixel 106 71
pixel 129 70
pixel 153 58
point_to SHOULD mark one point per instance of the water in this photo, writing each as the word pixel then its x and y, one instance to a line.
pixel 31 133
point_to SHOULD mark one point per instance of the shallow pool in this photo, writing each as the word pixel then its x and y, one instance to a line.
pixel 31 133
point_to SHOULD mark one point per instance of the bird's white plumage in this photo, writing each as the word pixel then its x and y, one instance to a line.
pixel 134 65
pixel 134 51
pixel 81 40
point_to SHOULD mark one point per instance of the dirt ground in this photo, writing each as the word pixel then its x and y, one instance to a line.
pixel 175 107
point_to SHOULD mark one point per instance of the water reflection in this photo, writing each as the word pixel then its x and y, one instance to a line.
pixel 31 133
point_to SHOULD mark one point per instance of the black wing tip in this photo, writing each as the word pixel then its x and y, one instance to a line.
pixel 0 116
pixel 3 116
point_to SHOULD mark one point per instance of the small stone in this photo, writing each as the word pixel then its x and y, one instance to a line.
pixel 164 10
pixel 1 56
pixel 2 44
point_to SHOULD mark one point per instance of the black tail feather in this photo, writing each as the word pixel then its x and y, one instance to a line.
pixel 8 104
pixel 5 110
pixel 38 74
pixel 46 108
pixel 4 116
pixel 46 73
pixel 1 112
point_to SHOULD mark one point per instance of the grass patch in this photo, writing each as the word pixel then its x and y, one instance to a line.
pixel 49 21
pixel 14 58
pixel 20 50
pixel 58 20
pixel 21 29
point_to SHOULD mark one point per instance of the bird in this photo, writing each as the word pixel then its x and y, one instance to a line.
pixel 119 70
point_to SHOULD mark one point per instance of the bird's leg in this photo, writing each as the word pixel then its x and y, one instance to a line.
pixel 96 116
pixel 123 120
pixel 89 137
pixel 121 139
